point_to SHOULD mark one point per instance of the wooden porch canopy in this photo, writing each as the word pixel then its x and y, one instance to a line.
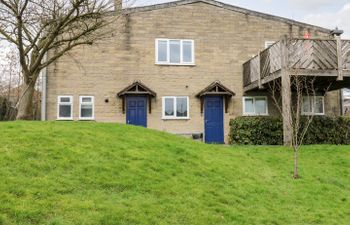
pixel 137 88
pixel 215 88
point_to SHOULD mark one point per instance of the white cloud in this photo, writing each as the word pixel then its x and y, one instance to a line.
pixel 310 4
pixel 339 19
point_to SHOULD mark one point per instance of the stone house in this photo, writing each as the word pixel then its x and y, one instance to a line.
pixel 175 67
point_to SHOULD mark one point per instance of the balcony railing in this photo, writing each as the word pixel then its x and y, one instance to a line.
pixel 302 56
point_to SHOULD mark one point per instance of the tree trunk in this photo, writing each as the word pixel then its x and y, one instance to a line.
pixel 25 104
pixel 296 172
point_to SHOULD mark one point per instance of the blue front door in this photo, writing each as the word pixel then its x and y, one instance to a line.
pixel 136 110
pixel 214 119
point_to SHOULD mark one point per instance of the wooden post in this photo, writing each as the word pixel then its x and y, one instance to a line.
pixel 286 94
pixel 123 104
pixel 259 69
pixel 339 57
pixel 149 104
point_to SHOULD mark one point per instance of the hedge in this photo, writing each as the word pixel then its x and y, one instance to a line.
pixel 269 131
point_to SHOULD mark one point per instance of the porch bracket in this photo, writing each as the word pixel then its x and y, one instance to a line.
pixel 215 88
pixel 137 88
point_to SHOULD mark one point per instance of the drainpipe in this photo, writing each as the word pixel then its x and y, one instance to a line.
pixel 43 90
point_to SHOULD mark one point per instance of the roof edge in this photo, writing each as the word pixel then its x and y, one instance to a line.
pixel 228 7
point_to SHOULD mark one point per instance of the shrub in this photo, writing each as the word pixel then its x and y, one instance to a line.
pixel 269 131
pixel 328 130
pixel 256 131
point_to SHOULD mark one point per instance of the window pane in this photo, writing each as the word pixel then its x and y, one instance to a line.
pixel 162 51
pixel 64 99
pixel 174 51
pixel 169 107
pixel 319 105
pixel 307 105
pixel 86 99
pixel 260 106
pixel 86 111
pixel 181 107
pixel 187 51
pixel 64 111
pixel 248 105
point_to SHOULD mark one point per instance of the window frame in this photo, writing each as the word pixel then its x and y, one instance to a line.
pixel 175 117
pixel 254 99
pixel 312 113
pixel 345 96
pixel 59 103
pixel 84 103
pixel 167 62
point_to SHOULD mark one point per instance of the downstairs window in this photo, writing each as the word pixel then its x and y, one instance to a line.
pixel 65 108
pixel 86 108
pixel 255 106
pixel 313 105
pixel 175 107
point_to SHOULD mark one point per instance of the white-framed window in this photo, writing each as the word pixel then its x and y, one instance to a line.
pixel 86 108
pixel 174 51
pixel 65 107
pixel 269 43
pixel 313 105
pixel 346 101
pixel 175 107
pixel 255 106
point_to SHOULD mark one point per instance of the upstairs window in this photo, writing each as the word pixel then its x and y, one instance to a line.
pixel 86 108
pixel 174 52
pixel 65 108
pixel 313 105
pixel 255 106
pixel 175 108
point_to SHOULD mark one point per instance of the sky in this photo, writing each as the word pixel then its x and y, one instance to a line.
pixel 324 13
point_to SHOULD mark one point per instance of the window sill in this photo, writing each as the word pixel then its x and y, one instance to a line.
pixel 313 114
pixel 86 119
pixel 175 64
pixel 64 119
pixel 255 114
pixel 178 118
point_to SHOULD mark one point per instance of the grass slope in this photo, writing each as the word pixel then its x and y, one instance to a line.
pixel 93 173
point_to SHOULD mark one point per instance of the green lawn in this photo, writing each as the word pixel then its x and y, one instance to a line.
pixel 93 173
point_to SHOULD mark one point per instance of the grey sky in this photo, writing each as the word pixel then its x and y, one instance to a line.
pixel 325 13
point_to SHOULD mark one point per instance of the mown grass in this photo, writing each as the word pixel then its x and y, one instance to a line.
pixel 93 173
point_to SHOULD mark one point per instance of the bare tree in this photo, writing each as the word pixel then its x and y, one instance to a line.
pixel 305 95
pixel 45 30
pixel 10 83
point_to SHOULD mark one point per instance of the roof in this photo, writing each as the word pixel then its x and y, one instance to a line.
pixel 228 7
pixel 137 87
pixel 215 88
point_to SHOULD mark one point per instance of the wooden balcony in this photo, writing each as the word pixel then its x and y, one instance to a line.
pixel 327 60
